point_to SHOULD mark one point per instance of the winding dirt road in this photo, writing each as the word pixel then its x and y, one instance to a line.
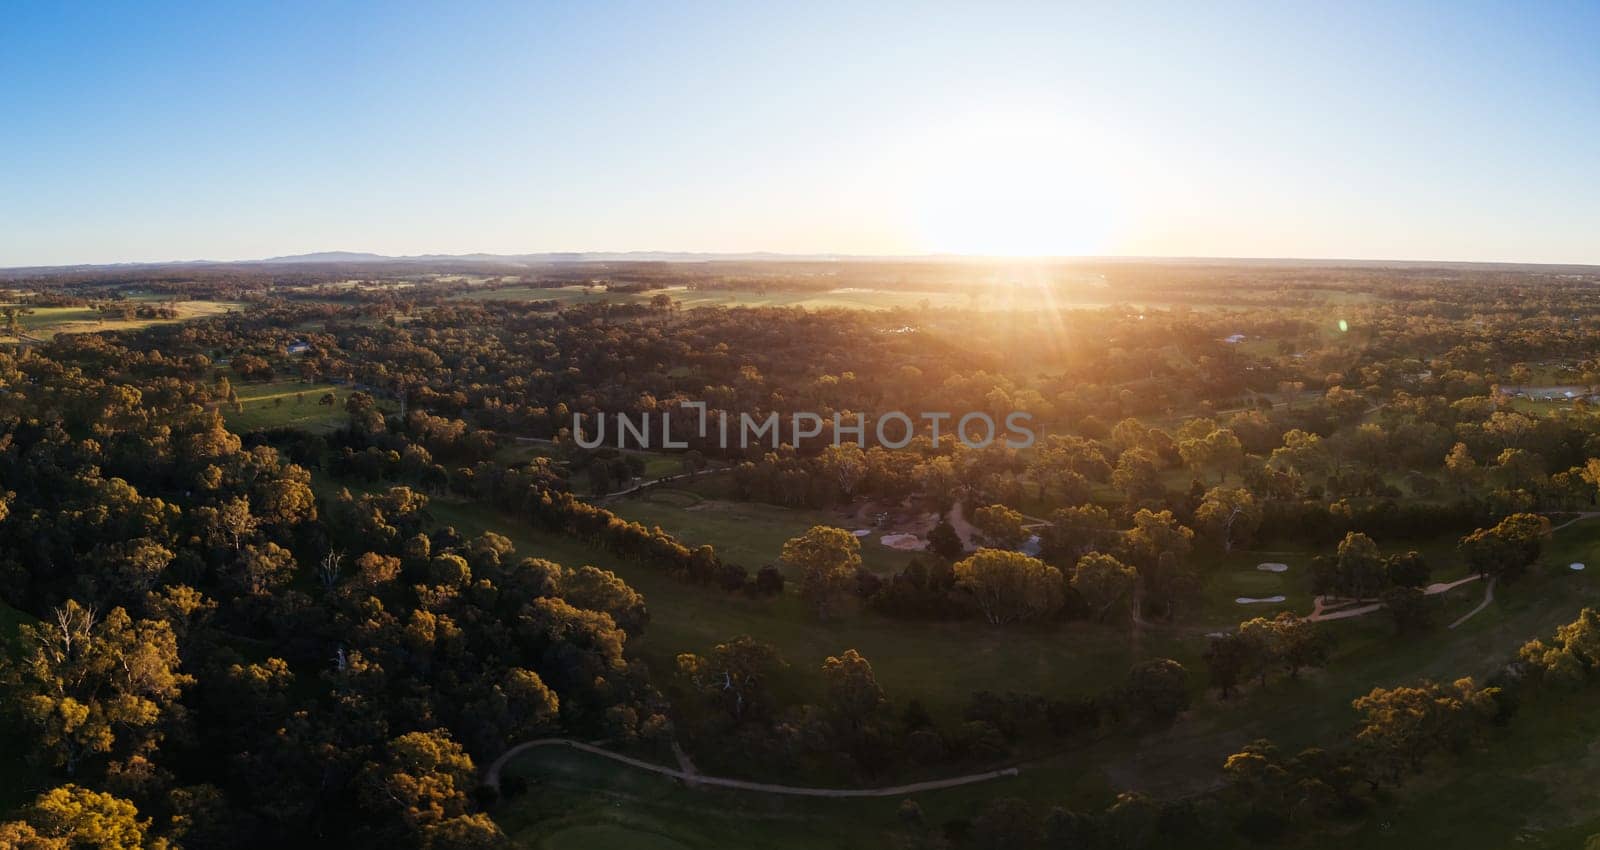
pixel 491 777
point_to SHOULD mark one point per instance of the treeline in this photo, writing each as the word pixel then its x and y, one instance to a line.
pixel 536 493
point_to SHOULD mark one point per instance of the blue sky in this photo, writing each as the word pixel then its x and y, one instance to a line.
pixel 153 131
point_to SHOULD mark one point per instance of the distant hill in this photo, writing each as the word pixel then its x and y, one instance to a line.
pixel 558 257
pixel 330 257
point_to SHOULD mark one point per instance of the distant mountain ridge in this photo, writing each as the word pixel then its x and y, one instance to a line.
pixel 326 257
pixel 562 257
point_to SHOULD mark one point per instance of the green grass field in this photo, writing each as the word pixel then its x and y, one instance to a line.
pixel 657 465
pixel 45 322
pixel 1530 786
pixel 577 801
pixel 290 403
pixel 748 533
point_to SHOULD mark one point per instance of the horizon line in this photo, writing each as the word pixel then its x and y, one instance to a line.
pixel 343 257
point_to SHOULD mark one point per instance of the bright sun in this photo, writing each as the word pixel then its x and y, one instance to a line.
pixel 1015 185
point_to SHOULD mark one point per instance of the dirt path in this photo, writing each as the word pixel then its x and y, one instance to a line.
pixel 1488 596
pixel 657 482
pixel 964 529
pixel 1582 515
pixel 1322 610
pixel 635 488
pixel 491 777
pixel 685 764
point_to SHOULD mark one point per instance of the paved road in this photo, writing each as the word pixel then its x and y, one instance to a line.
pixel 491 777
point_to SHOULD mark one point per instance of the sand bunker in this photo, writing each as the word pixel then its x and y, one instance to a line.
pixel 1575 566
pixel 862 532
pixel 1246 600
pixel 904 542
pixel 1273 568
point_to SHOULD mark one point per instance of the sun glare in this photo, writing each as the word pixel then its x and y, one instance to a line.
pixel 1016 185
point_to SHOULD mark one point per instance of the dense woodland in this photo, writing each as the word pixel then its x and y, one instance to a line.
pixel 263 636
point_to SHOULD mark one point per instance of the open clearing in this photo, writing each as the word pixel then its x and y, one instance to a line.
pixel 290 403
pixel 748 533
pixel 657 465
pixel 577 801
pixel 689 775
pixel 45 322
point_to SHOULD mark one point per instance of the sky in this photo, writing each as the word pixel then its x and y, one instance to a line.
pixel 165 131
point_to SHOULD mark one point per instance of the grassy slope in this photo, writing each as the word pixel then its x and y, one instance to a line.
pixel 1530 786
pixel 578 801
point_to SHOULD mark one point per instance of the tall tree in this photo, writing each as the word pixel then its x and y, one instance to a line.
pixel 1010 586
pixel 1508 549
pixel 1359 566
pixel 1000 526
pixel 72 817
pixel 88 686
pixel 736 675
pixel 1103 581
pixel 827 559
pixel 422 779
pixel 1228 517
